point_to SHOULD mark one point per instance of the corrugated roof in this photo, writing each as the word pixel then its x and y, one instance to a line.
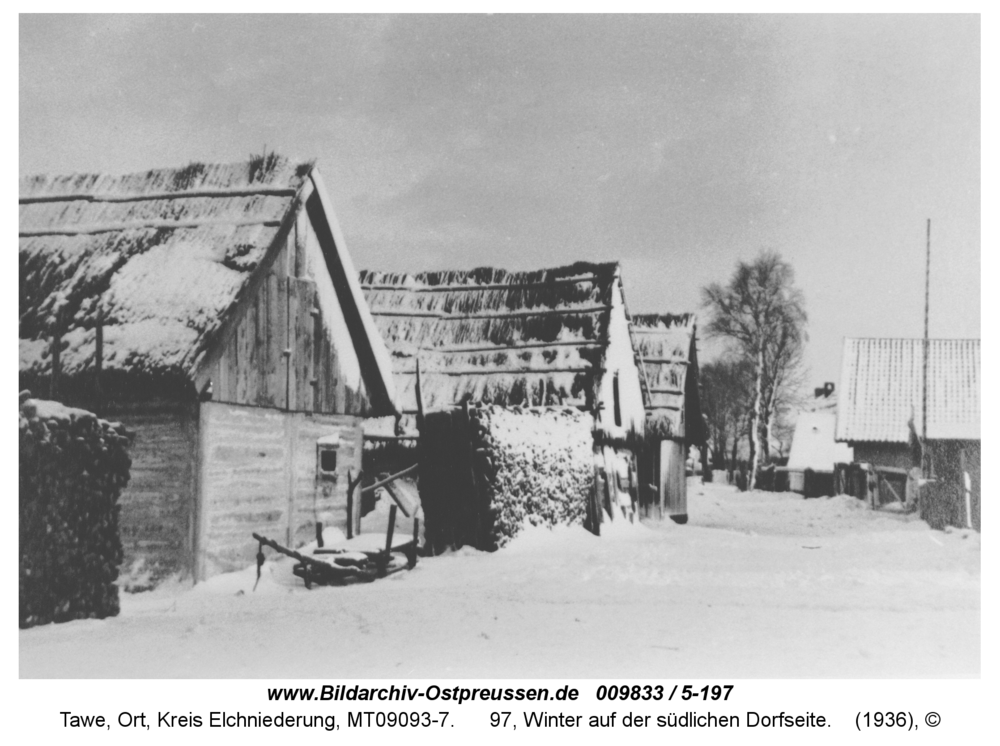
pixel 491 335
pixel 881 389
pixel 664 343
pixel 162 255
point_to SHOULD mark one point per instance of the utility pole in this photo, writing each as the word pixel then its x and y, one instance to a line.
pixel 927 304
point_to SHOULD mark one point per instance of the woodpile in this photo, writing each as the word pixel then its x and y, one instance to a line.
pixel 486 472
pixel 73 467
pixel 537 465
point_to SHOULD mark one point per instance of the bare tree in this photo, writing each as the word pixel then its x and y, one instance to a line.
pixel 783 373
pixel 763 313
pixel 726 387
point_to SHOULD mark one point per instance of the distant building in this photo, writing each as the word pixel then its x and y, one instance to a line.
pixel 214 310
pixel 667 351
pixel 880 415
pixel 814 453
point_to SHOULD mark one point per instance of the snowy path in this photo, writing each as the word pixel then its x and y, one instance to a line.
pixel 760 585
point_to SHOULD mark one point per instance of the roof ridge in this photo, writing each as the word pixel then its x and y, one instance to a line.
pixel 259 172
pixel 916 339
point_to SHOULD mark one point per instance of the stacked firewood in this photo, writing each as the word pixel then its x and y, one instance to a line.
pixel 73 467
pixel 537 467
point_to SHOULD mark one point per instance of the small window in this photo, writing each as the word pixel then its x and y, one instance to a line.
pixel 327 460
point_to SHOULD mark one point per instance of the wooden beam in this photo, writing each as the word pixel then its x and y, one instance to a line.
pixel 387 480
pixel 350 305
pixel 528 407
pixel 183 194
pixel 671 360
pixel 86 230
pixel 56 351
pixel 418 391
pixel 491 314
pixel 647 330
pixel 499 371
pixel 891 470
pixel 478 288
pixel 99 359
pixel 502 348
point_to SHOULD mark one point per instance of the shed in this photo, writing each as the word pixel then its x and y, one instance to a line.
pixel 214 310
pixel 880 415
pixel 545 338
pixel 815 450
pixel 666 348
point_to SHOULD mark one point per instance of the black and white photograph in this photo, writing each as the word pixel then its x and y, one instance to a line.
pixel 413 346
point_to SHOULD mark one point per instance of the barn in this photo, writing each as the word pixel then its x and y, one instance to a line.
pixel 552 339
pixel 667 351
pixel 880 414
pixel 214 310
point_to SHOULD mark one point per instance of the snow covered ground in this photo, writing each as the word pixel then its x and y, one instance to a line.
pixel 757 585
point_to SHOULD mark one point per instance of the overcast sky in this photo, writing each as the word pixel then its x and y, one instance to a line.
pixel 676 145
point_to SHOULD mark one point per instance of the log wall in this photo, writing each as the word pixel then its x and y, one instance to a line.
pixel 158 506
pixel 259 473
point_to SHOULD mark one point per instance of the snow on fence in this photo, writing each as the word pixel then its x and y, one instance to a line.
pixel 73 467
pixel 487 472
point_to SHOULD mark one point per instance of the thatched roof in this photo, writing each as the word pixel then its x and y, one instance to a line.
pixel 489 335
pixel 665 345
pixel 161 257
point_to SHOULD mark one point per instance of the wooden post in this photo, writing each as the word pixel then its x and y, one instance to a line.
pixel 56 366
pixel 98 361
pixel 301 232
pixel 927 307
pixel 352 485
pixel 474 506
pixel 383 561
pixel 412 557
pixel 595 504
pixel 317 353
pixel 391 529
pixel 420 398
pixel 966 488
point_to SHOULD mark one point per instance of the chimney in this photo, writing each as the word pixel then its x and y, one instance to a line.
pixel 823 391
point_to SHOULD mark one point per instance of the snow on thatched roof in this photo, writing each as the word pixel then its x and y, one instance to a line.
pixel 160 256
pixel 881 390
pixel 489 335
pixel 665 347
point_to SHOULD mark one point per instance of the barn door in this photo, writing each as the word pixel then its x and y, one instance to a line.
pixel 673 481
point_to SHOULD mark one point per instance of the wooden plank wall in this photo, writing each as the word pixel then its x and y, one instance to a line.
pixel 158 505
pixel 326 501
pixel 281 354
pixel 259 475
pixel 673 484
pixel 244 484
pixel 648 466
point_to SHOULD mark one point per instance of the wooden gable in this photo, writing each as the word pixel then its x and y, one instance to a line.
pixel 290 345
